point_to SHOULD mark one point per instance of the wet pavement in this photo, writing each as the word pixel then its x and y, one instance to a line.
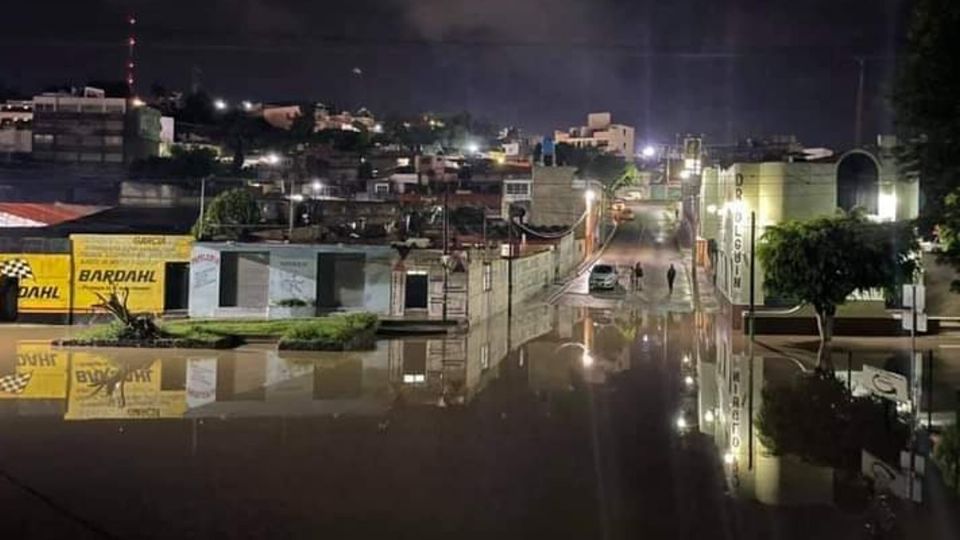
pixel 631 418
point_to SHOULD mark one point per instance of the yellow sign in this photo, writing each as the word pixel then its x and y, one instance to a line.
pixel 102 388
pixel 44 280
pixel 130 262
pixel 47 370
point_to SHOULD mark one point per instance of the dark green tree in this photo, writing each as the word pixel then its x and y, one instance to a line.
pixel 947 454
pixel 591 163
pixel 925 101
pixel 184 164
pixel 823 261
pixel 816 418
pixel 231 215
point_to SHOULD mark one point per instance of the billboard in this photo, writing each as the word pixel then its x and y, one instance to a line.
pixel 44 280
pixel 133 262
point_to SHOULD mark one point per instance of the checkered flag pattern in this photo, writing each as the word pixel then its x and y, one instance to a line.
pixel 14 384
pixel 16 268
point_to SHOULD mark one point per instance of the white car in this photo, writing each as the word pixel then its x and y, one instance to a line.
pixel 603 276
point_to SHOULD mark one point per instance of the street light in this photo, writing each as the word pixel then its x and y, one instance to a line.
pixel 681 423
pixel 587 359
pixel 649 151
pixel 273 158
pixel 219 104
pixel 473 148
pixel 247 106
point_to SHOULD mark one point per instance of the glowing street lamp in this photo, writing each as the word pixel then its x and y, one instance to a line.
pixel 473 148
pixel 649 151
pixel 220 104
pixel 247 106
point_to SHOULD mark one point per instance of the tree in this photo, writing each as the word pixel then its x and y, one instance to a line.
pixel 590 162
pixel 189 164
pixel 949 234
pixel 823 261
pixel 230 215
pixel 925 102
pixel 947 454
pixel 816 418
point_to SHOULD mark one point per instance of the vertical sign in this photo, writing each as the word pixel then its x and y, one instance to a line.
pixel 739 219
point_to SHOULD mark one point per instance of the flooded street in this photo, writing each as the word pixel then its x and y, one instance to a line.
pixel 573 431
pixel 625 414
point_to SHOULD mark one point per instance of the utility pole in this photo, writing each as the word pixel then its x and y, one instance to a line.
pixel 753 240
pixel 858 126
pixel 203 197
pixel 446 249
pixel 290 206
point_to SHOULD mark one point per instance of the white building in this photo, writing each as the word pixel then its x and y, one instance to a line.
pixel 779 191
pixel 602 134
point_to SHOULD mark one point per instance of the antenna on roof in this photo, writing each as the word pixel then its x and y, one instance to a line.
pixel 131 55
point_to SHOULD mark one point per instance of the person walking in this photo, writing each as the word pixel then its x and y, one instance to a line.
pixel 637 276
pixel 671 275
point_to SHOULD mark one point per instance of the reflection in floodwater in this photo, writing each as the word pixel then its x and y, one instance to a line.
pixel 85 384
pixel 566 421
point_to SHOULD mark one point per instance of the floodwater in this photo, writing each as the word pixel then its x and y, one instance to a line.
pixel 564 422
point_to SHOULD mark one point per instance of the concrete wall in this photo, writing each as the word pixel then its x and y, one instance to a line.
pixel 554 200
pixel 292 274
pixel 531 275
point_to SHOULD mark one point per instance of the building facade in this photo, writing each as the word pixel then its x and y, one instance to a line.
pixel 88 127
pixel 778 191
pixel 601 133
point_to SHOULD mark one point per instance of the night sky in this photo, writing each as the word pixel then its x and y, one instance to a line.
pixel 725 68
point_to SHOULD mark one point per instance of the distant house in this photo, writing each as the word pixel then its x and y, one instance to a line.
pixel 600 133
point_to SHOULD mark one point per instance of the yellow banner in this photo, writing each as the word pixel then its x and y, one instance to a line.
pixel 101 388
pixel 132 262
pixel 44 280
pixel 47 368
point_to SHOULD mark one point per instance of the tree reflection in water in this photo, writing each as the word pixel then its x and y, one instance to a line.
pixel 114 382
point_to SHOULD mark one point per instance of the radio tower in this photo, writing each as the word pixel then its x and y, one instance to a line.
pixel 131 55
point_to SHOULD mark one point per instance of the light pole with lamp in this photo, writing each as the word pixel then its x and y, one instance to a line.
pixel 589 196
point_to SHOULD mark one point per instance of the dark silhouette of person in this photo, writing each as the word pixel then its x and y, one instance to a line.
pixel 637 276
pixel 671 275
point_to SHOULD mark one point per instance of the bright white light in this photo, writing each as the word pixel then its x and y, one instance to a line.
pixel 903 407
pixel 649 151
pixel 708 417
pixel 273 158
pixel 887 206
pixel 590 195
pixel 297 198
pixel 414 378
pixel 681 423
pixel 688 380
pixel 473 148
pixel 686 359
pixel 219 104
pixel 247 106
pixel 137 102
pixel 684 174
pixel 317 185
pixel 587 359
pixel 728 458
pixel 646 338
pixel 378 128
pixel 711 209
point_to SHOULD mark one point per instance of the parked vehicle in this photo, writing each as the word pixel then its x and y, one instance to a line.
pixel 603 276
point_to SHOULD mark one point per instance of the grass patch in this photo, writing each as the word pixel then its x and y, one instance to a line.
pixel 355 331
pixel 338 333
pixel 115 335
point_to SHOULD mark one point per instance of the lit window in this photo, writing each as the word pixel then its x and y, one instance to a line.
pixel 414 378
